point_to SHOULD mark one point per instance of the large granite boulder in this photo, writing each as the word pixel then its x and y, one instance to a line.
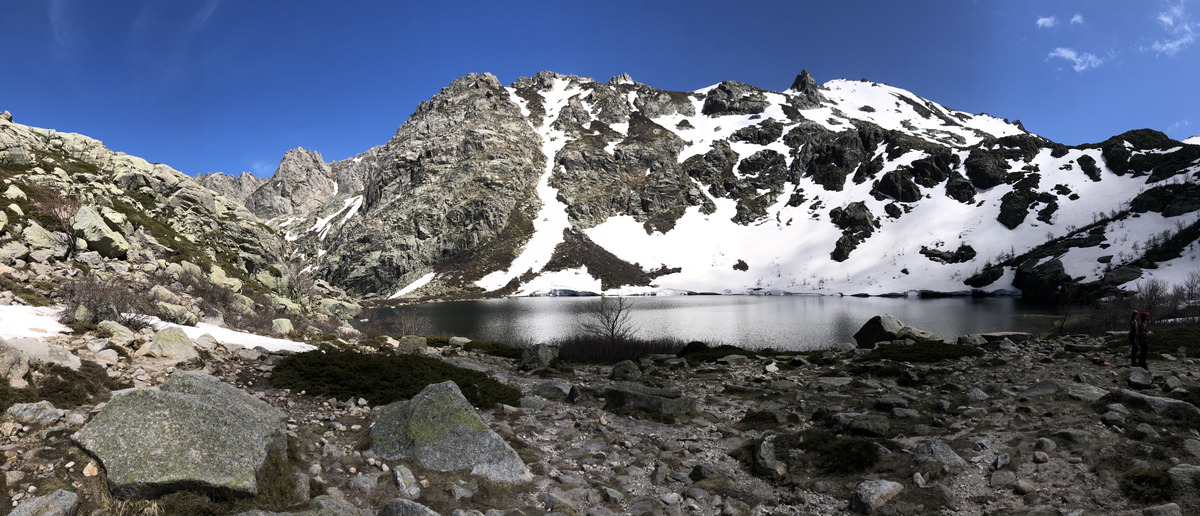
pixel 194 433
pixel 878 329
pixel 440 430
pixel 38 351
pixel 59 503
pixel 170 342
pixel 90 226
pixel 630 396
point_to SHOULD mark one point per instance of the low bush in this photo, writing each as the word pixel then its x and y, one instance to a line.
pixel 23 291
pixel 63 387
pixel 1147 486
pixel 382 379
pixel 106 300
pixel 921 353
pixel 827 453
pixel 596 349
pixel 698 352
pixel 496 349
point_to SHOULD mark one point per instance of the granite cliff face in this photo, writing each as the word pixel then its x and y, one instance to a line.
pixel 561 183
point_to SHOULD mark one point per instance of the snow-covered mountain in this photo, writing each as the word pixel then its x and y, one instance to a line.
pixel 561 183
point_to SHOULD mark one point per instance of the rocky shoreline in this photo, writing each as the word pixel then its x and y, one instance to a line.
pixel 1022 425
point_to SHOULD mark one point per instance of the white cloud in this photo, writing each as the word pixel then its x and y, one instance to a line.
pixel 1180 30
pixel 1083 61
pixel 1047 22
pixel 1077 19
pixel 1178 129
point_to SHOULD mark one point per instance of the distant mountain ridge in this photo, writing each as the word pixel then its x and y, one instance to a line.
pixel 559 184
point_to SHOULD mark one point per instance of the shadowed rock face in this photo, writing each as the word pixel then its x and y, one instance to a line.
pixel 440 430
pixel 194 433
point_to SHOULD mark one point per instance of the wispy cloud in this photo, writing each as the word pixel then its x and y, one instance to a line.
pixel 1180 30
pixel 1178 130
pixel 1083 61
pixel 1077 19
pixel 1047 22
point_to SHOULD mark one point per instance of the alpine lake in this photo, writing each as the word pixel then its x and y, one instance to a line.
pixel 785 323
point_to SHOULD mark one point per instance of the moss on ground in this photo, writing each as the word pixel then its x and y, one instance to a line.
pixel 382 379
pixel 496 349
pixel 61 386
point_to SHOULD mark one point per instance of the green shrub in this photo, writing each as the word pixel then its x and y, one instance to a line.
pixel 699 352
pixel 1147 486
pixel 922 353
pixel 829 454
pixel 61 386
pixel 595 349
pixel 382 379
pixel 496 349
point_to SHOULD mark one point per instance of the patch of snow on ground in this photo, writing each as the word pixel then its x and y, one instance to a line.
pixel 570 279
pixel 421 282
pixel 1194 140
pixel 552 218
pixel 30 321
pixel 228 336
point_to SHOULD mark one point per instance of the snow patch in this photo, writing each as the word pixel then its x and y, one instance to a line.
pixel 30 321
pixel 421 282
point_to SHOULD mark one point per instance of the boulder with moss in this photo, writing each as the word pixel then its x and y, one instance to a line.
pixel 90 226
pixel 170 342
pixel 194 433
pixel 440 430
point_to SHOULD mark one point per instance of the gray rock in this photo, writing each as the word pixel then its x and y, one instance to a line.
pixel 1161 405
pixel 870 495
pixel 626 371
pixel 551 390
pixel 976 395
pixel 406 482
pixel 1170 509
pixel 412 344
pixel 59 503
pixel 1140 378
pixel 1145 431
pixel 39 351
pixel 324 505
pixel 194 432
pixel 878 329
pixel 1185 477
pixel 1003 479
pixel 629 396
pixel 440 430
pixel 459 342
pixel 890 401
pixel 765 461
pixel 937 451
pixel 117 333
pixel 1074 435
pixel 177 314
pixel 282 326
pixel 972 339
pixel 14 365
pixel 206 342
pixel 41 413
pixel 170 342
pixel 536 357
pixel 90 226
pixel 1192 446
pixel 875 425
pixel 402 507
pixel 91 259
pixel 1045 444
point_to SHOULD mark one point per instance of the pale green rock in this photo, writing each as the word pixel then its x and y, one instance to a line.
pixel 440 430
pixel 282 326
pixel 59 503
pixel 219 277
pixel 338 308
pixel 39 239
pixel 113 217
pixel 99 237
pixel 170 342
pixel 196 432
pixel 117 333
pixel 16 209
pixel 323 505
pixel 14 365
pixel 161 293
pixel 39 351
pixel 14 193
pixel 285 304
pixel 178 314
pixel 13 251
pixel 3 220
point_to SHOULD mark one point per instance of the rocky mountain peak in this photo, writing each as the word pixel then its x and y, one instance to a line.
pixel 302 181
pixel 622 79
pixel 236 188
pixel 806 87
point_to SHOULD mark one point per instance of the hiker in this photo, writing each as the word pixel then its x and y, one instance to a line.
pixel 1143 339
pixel 1133 339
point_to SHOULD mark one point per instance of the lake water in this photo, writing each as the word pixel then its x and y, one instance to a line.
pixel 779 322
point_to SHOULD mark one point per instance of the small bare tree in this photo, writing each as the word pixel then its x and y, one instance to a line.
pixel 608 318
pixel 396 321
pixel 51 201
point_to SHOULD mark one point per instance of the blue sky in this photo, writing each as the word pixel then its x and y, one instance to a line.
pixel 212 85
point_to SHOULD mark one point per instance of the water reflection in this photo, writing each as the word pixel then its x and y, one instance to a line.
pixel 781 322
